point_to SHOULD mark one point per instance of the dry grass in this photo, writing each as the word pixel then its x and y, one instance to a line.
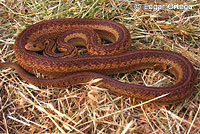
pixel 86 109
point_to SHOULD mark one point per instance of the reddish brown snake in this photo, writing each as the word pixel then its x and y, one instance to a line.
pixel 103 59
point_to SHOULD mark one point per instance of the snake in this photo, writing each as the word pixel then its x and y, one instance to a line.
pixel 33 52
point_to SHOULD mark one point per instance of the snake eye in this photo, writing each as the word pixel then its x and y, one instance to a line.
pixel 34 46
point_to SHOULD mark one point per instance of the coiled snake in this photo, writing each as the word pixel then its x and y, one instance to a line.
pixel 116 57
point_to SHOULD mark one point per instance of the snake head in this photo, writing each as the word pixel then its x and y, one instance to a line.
pixel 36 46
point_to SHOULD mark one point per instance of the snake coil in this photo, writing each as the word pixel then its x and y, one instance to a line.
pixel 103 59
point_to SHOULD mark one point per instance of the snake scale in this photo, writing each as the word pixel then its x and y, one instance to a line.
pixel 102 60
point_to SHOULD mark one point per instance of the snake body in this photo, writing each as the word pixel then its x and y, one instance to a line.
pixel 103 59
